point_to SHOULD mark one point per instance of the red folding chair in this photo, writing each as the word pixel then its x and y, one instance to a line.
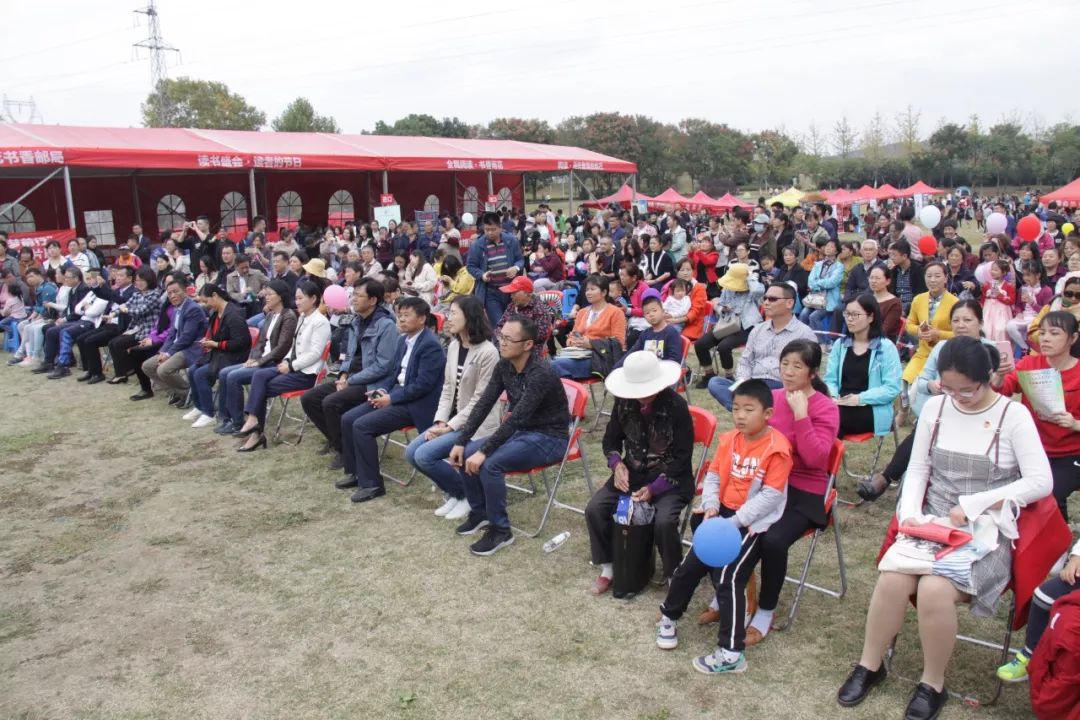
pixel 600 411
pixel 440 320
pixel 389 440
pixel 254 333
pixel 284 398
pixel 704 435
pixel 578 399
pixel 836 458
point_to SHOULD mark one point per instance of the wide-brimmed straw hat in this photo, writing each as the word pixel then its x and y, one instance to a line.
pixel 642 374
pixel 735 278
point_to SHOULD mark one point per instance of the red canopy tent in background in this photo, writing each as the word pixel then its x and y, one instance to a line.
pixel 728 201
pixel 623 197
pixel 841 197
pixel 886 192
pixel 669 197
pixel 1068 195
pixel 919 188
pixel 701 200
pixel 864 193
pixel 102 180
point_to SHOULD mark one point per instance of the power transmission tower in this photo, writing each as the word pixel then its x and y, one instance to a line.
pixel 158 57
pixel 20 111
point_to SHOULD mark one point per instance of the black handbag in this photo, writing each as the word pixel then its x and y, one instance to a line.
pixel 605 353
pixel 633 559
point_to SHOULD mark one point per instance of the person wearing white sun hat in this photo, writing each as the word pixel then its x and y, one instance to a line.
pixel 648 445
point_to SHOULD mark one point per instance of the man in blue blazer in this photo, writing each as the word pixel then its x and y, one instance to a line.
pixel 408 396
pixel 181 348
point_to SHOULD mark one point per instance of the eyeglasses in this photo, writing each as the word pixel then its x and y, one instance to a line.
pixel 508 340
pixel 1070 295
pixel 962 394
pixel 854 315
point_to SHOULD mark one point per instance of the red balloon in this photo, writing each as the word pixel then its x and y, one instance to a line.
pixel 1028 228
pixel 928 246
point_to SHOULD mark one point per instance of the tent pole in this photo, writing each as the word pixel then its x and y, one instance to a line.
pixel 251 189
pixel 135 198
pixel 22 197
pixel 571 210
pixel 385 182
pixel 491 183
pixel 633 193
pixel 67 196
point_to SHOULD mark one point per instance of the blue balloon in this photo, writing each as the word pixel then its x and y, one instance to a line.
pixel 717 542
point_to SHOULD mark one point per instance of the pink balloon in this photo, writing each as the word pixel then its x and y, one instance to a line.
pixel 335 297
pixel 996 223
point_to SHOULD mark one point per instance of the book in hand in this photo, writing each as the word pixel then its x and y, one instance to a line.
pixel 949 537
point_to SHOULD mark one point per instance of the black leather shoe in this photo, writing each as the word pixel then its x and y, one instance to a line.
pixel 346 483
pixel 144 395
pixel 95 379
pixel 119 380
pixel 365 494
pixel 59 372
pixel 43 368
pixel 336 463
pixel 226 428
pixel 926 703
pixel 84 377
pixel 859 684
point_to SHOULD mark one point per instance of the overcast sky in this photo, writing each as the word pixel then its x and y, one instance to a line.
pixel 751 64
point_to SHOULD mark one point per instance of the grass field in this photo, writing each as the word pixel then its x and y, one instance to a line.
pixel 148 571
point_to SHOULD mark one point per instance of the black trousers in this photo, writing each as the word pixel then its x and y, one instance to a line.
pixel 119 347
pixel 325 404
pixel 90 345
pixel 900 459
pixel 598 518
pixel 730 584
pixel 803 511
pixel 725 346
pixel 1066 474
pixel 137 356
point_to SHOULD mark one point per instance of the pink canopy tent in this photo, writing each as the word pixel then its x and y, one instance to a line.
pixel 864 193
pixel 1068 195
pixel 886 192
pixel 729 201
pixel 622 197
pixel 669 197
pixel 920 188
pixel 701 200
pixel 842 197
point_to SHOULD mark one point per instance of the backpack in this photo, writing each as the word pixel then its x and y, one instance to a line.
pixel 1054 669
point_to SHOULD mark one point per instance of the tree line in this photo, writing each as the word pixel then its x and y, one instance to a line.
pixel 718 158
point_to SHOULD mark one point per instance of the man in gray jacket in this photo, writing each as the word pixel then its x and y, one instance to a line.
pixel 370 346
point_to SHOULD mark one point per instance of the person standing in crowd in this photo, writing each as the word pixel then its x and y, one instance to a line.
pixel 534 433
pixel 409 395
pixel 471 362
pixel 370 344
pixel 276 335
pixel 494 260
pixel 976 457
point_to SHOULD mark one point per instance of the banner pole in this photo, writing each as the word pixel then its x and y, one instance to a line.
pixel 70 201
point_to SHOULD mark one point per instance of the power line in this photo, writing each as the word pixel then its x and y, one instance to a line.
pixel 158 57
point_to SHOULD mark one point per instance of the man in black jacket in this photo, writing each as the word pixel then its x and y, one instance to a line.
pixel 113 324
pixel 534 434
pixel 77 290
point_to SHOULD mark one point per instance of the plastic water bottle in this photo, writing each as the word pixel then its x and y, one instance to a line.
pixel 556 542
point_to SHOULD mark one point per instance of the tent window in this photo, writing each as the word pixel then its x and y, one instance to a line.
pixel 289 209
pixel 341 208
pixel 234 212
pixel 171 213
pixel 431 204
pixel 506 198
pixel 17 219
pixel 471 200
pixel 99 223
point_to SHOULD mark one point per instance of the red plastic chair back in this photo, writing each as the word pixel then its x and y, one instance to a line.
pixel 440 320
pixel 254 333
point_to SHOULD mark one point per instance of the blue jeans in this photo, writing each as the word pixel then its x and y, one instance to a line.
pixel 720 388
pixel 486 492
pixel 817 319
pixel 495 302
pixel 202 391
pixel 231 381
pixel 572 368
pixel 428 457
pixel 256 321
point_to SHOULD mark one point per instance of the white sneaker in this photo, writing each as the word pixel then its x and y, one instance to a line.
pixel 203 421
pixel 667 637
pixel 460 511
pixel 446 507
pixel 192 414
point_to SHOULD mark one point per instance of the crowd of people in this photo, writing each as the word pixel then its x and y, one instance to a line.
pixel 452 331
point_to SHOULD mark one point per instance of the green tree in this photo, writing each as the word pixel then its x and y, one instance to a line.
pixel 1009 152
pixel 873 145
pixel 184 102
pixel 843 137
pixel 773 154
pixel 525 130
pixel 907 130
pixel 710 152
pixel 423 125
pixel 300 116
pixel 949 146
pixel 1063 145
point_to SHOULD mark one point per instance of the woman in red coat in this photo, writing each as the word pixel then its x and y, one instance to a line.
pixel 694 321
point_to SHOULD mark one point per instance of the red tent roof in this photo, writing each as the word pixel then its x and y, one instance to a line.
pixel 671 197
pixel 864 193
pixel 728 201
pixel 188 149
pixel 886 192
pixel 702 200
pixel 920 188
pixel 842 197
pixel 621 197
pixel 1068 195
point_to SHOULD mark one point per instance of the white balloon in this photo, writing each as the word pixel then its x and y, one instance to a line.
pixel 467 219
pixel 996 223
pixel 930 216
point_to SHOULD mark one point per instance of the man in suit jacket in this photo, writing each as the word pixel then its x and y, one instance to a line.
pixel 410 397
pixel 181 347
pixel 114 323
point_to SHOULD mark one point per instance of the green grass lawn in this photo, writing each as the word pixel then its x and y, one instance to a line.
pixel 149 571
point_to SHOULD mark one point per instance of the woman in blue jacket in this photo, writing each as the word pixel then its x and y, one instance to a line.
pixel 826 277
pixel 864 371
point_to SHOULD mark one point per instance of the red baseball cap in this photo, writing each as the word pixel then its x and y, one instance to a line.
pixel 520 283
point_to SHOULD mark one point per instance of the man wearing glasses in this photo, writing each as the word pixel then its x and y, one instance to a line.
pixel 761 357
pixel 533 433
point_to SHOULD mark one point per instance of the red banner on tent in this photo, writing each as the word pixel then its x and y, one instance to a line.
pixel 386 199
pixel 37 241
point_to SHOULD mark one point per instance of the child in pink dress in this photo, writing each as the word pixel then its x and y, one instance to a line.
pixel 999 297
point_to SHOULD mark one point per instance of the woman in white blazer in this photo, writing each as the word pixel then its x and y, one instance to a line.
pixel 298 371
pixel 420 278
pixel 470 363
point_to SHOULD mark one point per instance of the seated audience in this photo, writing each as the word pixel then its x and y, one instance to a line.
pixel 181 346
pixel 738 313
pixel 227 342
pixel 600 319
